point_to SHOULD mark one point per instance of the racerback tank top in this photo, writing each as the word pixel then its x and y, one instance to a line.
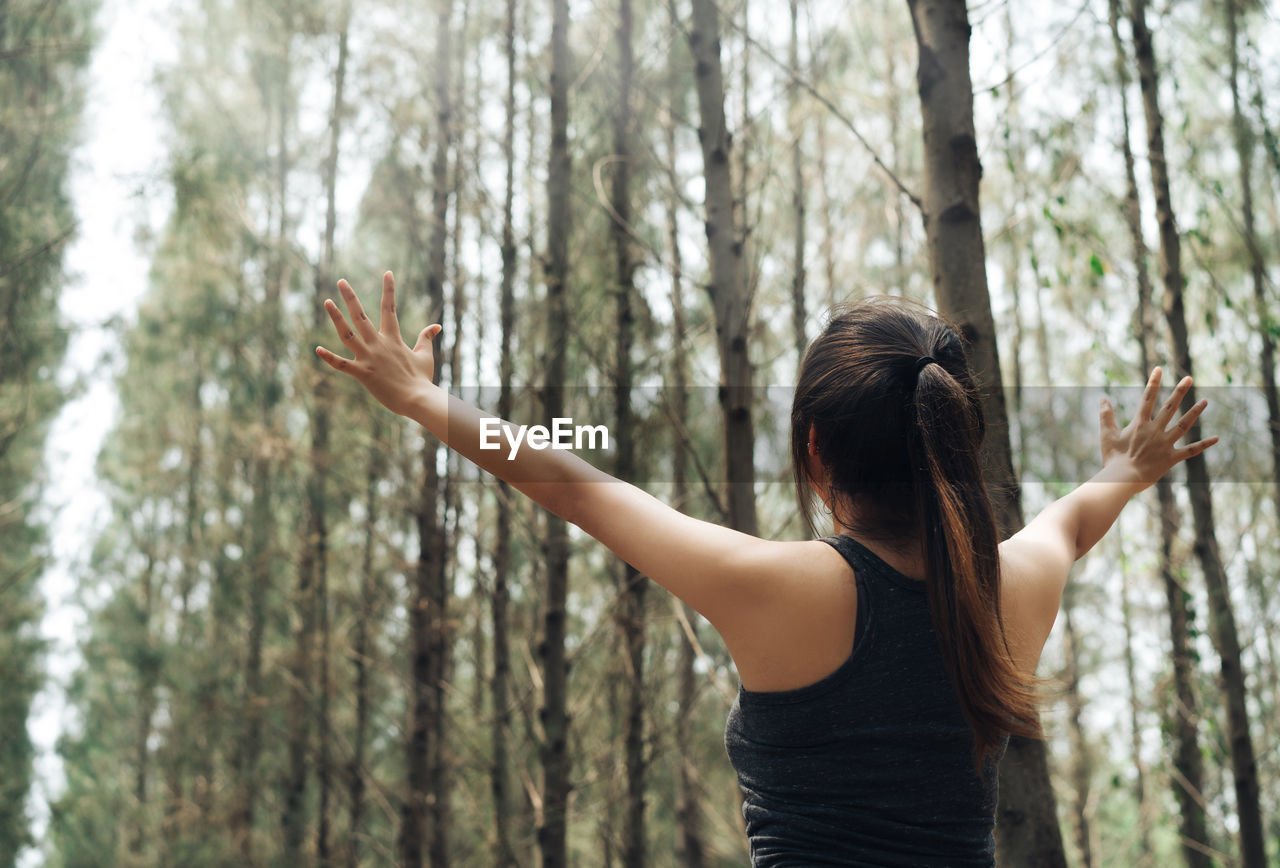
pixel 873 764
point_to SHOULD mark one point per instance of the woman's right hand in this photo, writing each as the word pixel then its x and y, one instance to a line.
pixel 1147 446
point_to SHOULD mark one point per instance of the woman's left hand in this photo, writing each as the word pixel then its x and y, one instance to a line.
pixel 1147 448
pixel 384 364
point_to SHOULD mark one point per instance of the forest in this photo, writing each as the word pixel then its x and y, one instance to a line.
pixel 314 636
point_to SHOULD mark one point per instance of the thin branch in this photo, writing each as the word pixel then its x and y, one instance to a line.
pixel 9 267
pixel 1058 37
pixel 51 48
pixel 698 467
pixel 794 78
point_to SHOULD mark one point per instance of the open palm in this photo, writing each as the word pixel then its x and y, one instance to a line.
pixel 1149 442
pixel 393 372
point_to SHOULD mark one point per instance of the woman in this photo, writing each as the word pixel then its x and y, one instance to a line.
pixel 882 668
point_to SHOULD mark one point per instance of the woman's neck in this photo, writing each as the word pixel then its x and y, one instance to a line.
pixel 907 557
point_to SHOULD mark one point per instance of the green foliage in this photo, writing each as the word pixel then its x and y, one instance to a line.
pixel 44 47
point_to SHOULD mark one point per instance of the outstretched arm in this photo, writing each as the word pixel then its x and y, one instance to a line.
pixel 1038 559
pixel 716 570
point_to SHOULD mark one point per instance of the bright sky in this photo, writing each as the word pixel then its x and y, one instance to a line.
pixel 114 189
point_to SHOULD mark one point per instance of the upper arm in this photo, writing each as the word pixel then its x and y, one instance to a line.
pixel 722 573
pixel 1034 566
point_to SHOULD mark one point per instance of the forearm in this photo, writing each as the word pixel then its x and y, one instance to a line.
pixel 1088 512
pixel 552 477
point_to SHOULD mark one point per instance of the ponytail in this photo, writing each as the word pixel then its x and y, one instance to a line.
pixel 886 401
pixel 962 560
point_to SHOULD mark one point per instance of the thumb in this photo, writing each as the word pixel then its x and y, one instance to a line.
pixel 427 335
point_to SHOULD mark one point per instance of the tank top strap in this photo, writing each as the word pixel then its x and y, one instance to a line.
pixel 865 561
pixel 860 569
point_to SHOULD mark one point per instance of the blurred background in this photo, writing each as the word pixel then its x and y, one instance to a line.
pixel 249 617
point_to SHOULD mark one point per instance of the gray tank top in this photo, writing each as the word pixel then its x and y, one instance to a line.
pixel 873 764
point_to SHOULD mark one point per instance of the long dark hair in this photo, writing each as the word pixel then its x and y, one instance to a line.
pixel 899 437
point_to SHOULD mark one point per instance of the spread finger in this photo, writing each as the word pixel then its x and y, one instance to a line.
pixel 359 318
pixel 345 332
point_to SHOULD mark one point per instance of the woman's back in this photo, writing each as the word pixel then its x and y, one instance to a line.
pixel 873 764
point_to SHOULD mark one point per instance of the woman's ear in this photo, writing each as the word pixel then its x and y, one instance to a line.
pixel 817 472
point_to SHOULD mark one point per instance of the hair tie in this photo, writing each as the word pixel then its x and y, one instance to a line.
pixel 922 363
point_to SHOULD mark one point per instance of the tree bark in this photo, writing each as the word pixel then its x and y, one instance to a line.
pixel 363 644
pixel 1027 831
pixel 1135 731
pixel 555 675
pixel 828 247
pixel 148 674
pixel 262 548
pixel 424 815
pixel 798 314
pixel 900 278
pixel 443 637
pixel 1187 761
pixel 500 772
pixel 633 585
pixel 187 755
pixel 1014 154
pixel 1081 770
pixel 312 584
pixel 324 278
pixel 730 295
pixel 690 848
pixel 1221 615
pixel 1268 324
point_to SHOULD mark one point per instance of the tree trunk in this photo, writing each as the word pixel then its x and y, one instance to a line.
pixel 827 249
pixel 1081 771
pixel 1261 598
pixel 730 295
pixel 199 767
pixel 1187 761
pixel 1221 615
pixel 1135 731
pixel 798 314
pixel 689 843
pixel 425 809
pixel 148 674
pixel 1268 325
pixel 324 283
pixel 443 637
pixel 1014 155
pixel 188 755
pixel 500 773
pixel 1027 824
pixel 743 219
pixel 313 565
pixel 631 614
pixel 555 674
pixel 900 278
pixel 261 548
pixel 363 645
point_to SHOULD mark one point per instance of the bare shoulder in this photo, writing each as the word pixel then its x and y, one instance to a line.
pixel 1032 574
pixel 777 571
pixel 795 624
